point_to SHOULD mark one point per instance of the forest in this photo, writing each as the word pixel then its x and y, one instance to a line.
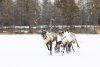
pixel 23 14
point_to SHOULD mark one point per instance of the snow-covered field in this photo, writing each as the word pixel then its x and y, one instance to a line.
pixel 30 51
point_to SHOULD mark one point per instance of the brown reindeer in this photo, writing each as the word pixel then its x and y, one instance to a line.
pixel 49 38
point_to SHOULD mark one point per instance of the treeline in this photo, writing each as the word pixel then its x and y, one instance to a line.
pixel 45 12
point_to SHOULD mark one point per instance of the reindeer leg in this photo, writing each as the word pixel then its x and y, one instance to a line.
pixel 50 48
pixel 56 43
pixel 63 49
pixel 72 48
pixel 57 47
pixel 77 44
pixel 69 46
pixel 67 49
pixel 47 46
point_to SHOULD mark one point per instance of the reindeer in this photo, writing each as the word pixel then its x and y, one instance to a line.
pixel 68 38
pixel 49 38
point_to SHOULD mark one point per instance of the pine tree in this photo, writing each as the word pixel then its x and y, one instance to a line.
pixel 6 12
pixel 27 12
pixel 69 10
pixel 96 10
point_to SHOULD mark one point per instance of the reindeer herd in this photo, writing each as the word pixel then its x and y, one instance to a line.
pixel 64 39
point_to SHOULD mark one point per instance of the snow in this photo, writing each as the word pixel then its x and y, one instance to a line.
pixel 30 51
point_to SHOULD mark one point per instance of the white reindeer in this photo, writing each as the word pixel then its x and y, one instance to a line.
pixel 67 39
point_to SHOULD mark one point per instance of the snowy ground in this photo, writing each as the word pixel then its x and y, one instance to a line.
pixel 30 51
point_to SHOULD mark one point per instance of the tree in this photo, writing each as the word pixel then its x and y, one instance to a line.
pixel 46 12
pixel 6 12
pixel 69 9
pixel 26 12
pixel 96 10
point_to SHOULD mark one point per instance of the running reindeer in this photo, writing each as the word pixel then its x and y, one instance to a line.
pixel 65 38
pixel 68 38
pixel 49 38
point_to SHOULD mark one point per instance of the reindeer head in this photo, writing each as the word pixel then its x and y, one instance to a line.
pixel 61 32
pixel 43 33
